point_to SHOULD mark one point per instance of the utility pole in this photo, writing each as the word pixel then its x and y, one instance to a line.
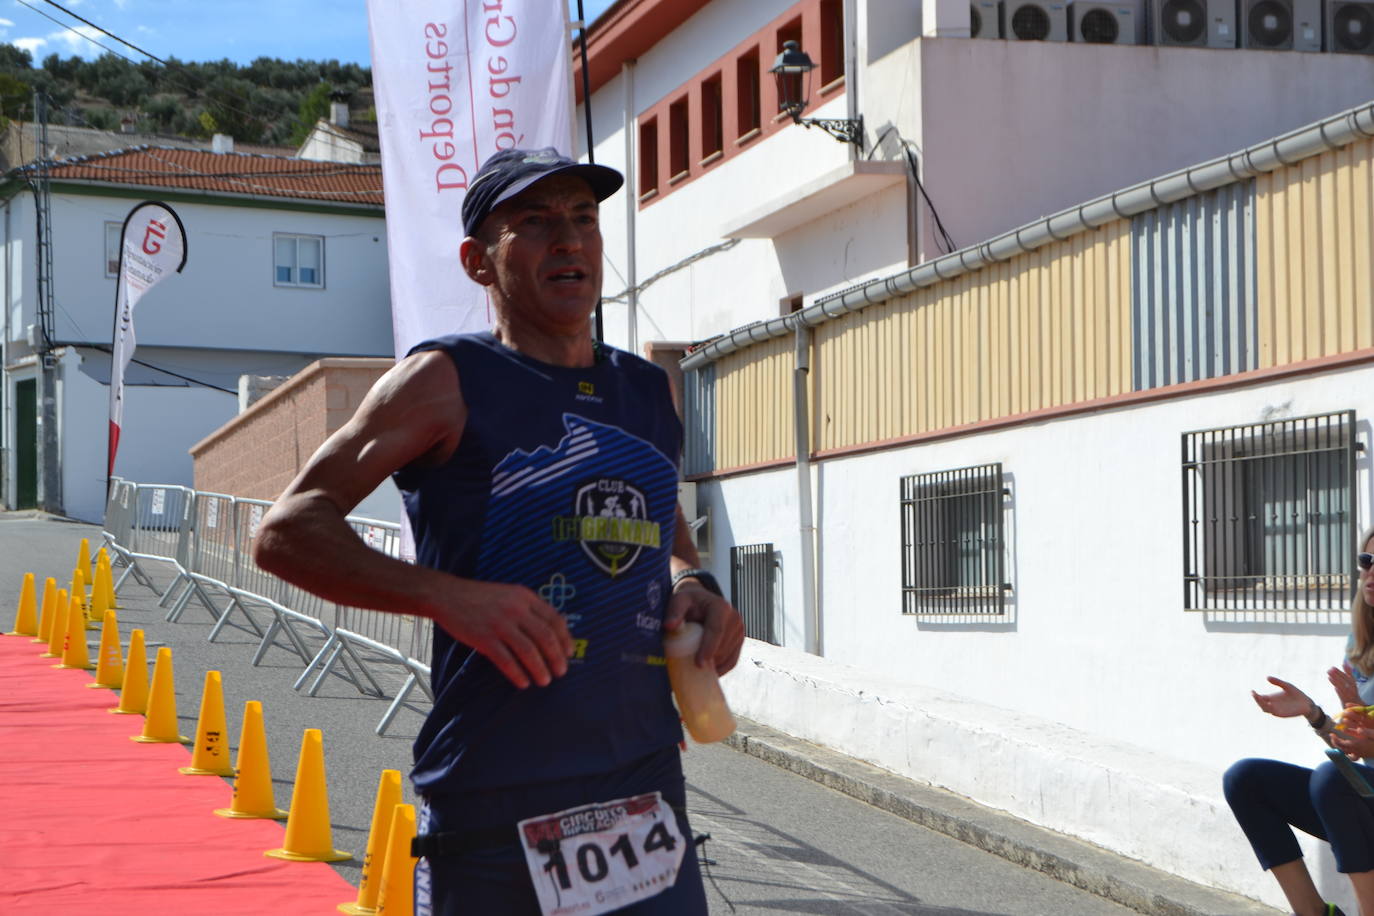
pixel 49 447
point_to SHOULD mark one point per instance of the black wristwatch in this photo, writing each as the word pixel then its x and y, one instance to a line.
pixel 703 576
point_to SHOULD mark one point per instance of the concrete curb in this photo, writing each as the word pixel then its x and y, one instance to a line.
pixel 1064 858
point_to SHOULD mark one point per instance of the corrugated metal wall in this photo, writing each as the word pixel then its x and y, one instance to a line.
pixel 699 420
pixel 1193 315
pixel 1314 248
pixel 1256 274
pixel 754 405
pixel 1044 329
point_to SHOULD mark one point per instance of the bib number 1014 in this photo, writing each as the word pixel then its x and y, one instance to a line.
pixel 594 863
pixel 598 858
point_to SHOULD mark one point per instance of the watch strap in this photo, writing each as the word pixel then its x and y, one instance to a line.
pixel 704 576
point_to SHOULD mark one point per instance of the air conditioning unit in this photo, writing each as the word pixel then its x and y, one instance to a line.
pixel 1349 27
pixel 1281 25
pixel 985 19
pixel 1035 20
pixel 1102 23
pixel 1193 23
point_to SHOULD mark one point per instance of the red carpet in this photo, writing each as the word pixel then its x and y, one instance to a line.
pixel 91 822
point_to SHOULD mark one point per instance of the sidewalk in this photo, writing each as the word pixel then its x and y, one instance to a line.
pixel 1064 858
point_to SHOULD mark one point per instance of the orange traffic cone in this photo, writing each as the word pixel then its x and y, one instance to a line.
pixel 58 632
pixel 25 622
pixel 49 612
pixel 308 836
pixel 211 754
pixel 370 888
pixel 83 557
pixel 160 723
pixel 109 663
pixel 133 690
pixel 398 875
pixel 74 651
pixel 253 779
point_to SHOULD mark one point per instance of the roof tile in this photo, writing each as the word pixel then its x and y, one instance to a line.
pixel 232 173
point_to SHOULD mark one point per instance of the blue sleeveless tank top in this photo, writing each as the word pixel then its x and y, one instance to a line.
pixel 564 481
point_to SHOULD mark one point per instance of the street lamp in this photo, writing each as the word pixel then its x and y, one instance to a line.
pixel 792 70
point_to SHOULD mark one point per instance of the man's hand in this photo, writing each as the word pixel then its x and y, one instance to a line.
pixel 722 634
pixel 523 636
pixel 1289 701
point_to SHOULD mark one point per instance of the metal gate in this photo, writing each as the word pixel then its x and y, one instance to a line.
pixel 752 585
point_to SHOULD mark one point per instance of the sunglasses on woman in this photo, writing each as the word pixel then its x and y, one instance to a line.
pixel 1365 560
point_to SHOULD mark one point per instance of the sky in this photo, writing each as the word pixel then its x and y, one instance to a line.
pixel 202 30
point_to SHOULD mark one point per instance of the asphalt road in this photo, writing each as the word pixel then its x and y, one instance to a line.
pixel 780 844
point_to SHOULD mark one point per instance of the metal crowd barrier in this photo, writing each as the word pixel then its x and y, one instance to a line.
pixel 208 538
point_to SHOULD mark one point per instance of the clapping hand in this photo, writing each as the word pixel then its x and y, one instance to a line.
pixel 1355 733
pixel 1343 679
pixel 1286 703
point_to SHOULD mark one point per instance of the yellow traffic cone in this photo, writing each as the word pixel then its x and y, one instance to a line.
pixel 109 664
pixel 398 875
pixel 308 836
pixel 58 632
pixel 74 651
pixel 83 557
pixel 25 623
pixel 211 754
pixel 95 613
pixel 253 779
pixel 369 889
pixel 133 690
pixel 102 561
pixel 78 592
pixel 160 723
pixel 49 612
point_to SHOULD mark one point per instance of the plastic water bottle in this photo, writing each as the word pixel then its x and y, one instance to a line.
pixel 697 690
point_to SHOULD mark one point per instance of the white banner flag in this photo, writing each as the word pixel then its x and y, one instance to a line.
pixel 153 245
pixel 454 83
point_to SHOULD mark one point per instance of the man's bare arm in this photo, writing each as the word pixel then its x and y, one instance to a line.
pixel 415 413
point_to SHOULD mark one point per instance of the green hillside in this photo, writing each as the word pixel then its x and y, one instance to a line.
pixel 269 101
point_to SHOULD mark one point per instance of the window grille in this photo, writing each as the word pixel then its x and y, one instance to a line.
pixel 952 542
pixel 1268 520
pixel 752 585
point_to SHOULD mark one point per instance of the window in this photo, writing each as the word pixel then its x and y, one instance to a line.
pixel 648 158
pixel 952 551
pixel 1268 515
pixel 712 128
pixel 679 143
pixel 298 260
pixel 114 233
pixel 832 41
pixel 752 581
pixel 748 105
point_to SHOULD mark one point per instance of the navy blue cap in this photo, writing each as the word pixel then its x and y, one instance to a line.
pixel 511 171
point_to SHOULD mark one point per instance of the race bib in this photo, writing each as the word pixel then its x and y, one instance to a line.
pixel 598 858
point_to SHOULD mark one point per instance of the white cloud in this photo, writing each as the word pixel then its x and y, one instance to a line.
pixel 30 44
pixel 75 41
pixel 6 24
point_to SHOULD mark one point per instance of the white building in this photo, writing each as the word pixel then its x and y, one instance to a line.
pixel 286 263
pixel 1030 519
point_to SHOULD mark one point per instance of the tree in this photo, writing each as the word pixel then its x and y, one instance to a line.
pixel 313 107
